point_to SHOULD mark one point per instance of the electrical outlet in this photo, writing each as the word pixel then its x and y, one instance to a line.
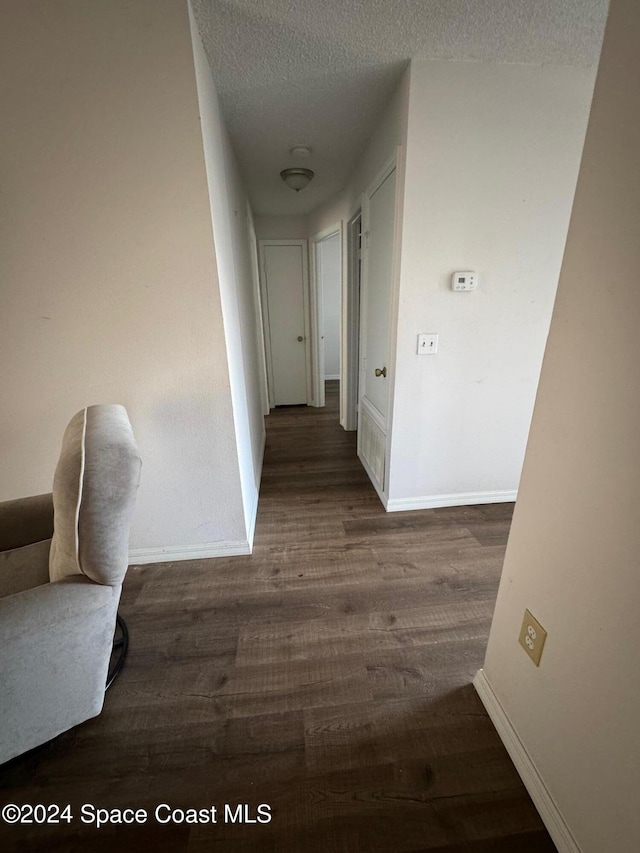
pixel 532 637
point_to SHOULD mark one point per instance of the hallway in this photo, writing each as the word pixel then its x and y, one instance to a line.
pixel 328 675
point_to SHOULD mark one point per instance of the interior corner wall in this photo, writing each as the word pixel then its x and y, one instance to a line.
pixel 236 254
pixel 332 211
pixel 108 268
pixel 572 556
pixel 390 133
pixel 492 161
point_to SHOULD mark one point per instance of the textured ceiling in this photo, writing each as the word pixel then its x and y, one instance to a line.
pixel 319 72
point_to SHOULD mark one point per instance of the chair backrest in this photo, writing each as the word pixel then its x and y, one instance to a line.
pixel 94 492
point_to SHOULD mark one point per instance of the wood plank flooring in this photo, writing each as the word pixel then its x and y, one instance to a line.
pixel 327 675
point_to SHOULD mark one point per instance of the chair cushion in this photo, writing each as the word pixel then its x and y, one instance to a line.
pixel 24 568
pixel 64 557
pixel 94 491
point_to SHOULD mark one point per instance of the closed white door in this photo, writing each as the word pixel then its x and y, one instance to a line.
pixel 379 218
pixel 379 272
pixel 285 283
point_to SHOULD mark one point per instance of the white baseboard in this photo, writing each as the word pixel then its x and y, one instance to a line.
pixel 253 514
pixel 534 783
pixel 460 499
pixel 332 376
pixel 232 548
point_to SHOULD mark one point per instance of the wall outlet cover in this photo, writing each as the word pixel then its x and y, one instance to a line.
pixel 532 637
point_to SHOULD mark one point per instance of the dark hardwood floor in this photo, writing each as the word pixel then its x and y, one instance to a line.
pixel 328 675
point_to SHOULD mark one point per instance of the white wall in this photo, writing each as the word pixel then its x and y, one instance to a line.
pixel 572 557
pixel 281 227
pixel 390 132
pixel 236 253
pixel 329 271
pixel 492 160
pixel 108 269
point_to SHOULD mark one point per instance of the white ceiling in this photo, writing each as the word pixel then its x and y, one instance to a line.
pixel 319 72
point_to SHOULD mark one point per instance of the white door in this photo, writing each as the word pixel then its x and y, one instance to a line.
pixel 285 284
pixel 326 309
pixel 330 279
pixel 379 218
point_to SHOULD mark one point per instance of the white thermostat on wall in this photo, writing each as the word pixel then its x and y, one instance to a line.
pixel 461 281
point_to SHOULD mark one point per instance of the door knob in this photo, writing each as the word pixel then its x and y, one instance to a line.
pixel 382 372
pixel 300 338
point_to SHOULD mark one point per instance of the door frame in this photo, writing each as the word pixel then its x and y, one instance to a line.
pixel 317 306
pixel 262 244
pixel 258 311
pixel 351 324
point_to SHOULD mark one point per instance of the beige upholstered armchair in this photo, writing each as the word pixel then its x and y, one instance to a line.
pixel 63 558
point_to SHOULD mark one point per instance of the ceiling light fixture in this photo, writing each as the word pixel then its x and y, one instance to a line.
pixel 296 178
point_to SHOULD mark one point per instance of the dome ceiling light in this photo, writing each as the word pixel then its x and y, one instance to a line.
pixel 296 177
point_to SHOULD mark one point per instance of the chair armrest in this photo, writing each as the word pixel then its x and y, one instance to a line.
pixel 55 645
pixel 24 568
pixel 43 608
pixel 25 521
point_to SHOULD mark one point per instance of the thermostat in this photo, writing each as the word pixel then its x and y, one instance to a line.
pixel 464 281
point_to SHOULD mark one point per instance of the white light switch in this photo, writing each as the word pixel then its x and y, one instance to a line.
pixel 427 344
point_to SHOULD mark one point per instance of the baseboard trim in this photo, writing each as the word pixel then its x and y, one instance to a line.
pixel 253 514
pixel 534 783
pixel 232 548
pixel 253 517
pixel 460 499
pixel 332 376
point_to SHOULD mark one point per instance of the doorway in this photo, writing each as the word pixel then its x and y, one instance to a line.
pixel 285 308
pixel 326 288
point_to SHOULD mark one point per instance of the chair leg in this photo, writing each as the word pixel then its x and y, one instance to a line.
pixel 119 651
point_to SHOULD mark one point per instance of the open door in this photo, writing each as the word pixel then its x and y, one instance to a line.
pixel 326 297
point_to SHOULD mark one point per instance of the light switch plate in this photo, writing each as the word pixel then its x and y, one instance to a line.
pixel 427 344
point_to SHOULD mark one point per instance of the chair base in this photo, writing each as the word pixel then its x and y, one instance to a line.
pixel 119 651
